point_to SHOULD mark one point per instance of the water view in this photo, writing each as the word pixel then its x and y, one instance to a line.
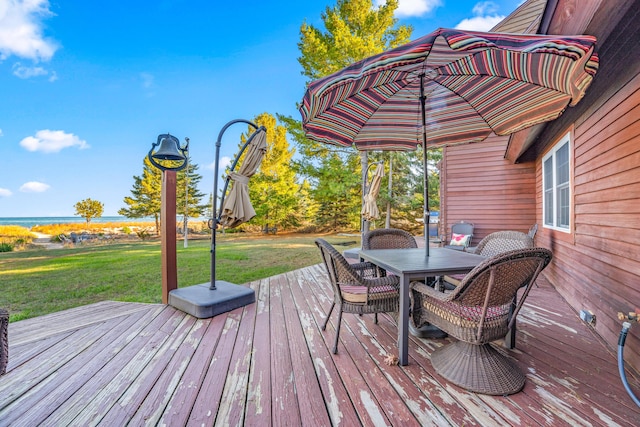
pixel 29 222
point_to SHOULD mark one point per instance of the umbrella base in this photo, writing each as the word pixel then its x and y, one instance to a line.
pixel 427 331
pixel 202 302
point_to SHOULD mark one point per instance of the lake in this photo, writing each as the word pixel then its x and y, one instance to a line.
pixel 29 222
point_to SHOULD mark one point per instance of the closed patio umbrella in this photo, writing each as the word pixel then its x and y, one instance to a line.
pixel 449 87
pixel 370 207
pixel 237 207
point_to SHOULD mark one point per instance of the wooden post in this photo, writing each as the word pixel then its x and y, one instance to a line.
pixel 168 230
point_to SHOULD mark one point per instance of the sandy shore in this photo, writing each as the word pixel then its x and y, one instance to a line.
pixel 44 240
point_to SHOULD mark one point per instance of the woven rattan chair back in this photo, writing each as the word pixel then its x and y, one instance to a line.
pixel 388 238
pixel 356 289
pixel 503 241
pixel 478 312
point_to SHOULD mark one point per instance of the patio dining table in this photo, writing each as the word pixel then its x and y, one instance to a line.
pixel 410 264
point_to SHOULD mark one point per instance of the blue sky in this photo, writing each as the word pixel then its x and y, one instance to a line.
pixel 87 86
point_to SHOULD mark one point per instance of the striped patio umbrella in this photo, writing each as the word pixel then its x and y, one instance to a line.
pixel 449 87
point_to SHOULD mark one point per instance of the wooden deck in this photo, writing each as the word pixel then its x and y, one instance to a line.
pixel 269 363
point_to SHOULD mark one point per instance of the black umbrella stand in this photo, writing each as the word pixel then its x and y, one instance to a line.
pixel 218 296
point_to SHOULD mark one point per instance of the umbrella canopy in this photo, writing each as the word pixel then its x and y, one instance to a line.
pixel 454 86
pixel 449 87
pixel 237 207
pixel 370 207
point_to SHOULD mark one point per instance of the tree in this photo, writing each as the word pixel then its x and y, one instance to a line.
pixel 273 189
pixel 89 209
pixel 188 181
pixel 146 194
pixel 355 29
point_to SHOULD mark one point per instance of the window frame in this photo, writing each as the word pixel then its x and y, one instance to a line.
pixel 555 187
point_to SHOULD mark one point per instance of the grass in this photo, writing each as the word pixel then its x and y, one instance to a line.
pixel 39 281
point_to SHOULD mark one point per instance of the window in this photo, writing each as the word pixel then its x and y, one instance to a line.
pixel 556 200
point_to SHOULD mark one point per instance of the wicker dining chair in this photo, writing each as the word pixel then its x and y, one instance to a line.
pixel 478 312
pixel 4 342
pixel 388 238
pixel 494 244
pixel 356 289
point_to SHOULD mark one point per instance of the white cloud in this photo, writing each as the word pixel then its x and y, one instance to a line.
pixel 34 187
pixel 485 8
pixel 21 31
pixel 408 8
pixel 5 193
pixel 52 141
pixel 479 23
pixel 224 163
pixel 1 132
pixel 485 17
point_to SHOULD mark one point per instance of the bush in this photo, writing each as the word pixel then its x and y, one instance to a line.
pixel 6 247
pixel 143 234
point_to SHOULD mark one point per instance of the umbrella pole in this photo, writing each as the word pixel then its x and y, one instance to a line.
pixel 215 220
pixel 364 224
pixel 425 210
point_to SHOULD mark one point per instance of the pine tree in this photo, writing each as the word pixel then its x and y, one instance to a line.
pixel 146 194
pixel 355 29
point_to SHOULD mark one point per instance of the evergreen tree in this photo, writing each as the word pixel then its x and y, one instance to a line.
pixel 188 180
pixel 146 194
pixel 355 29
pixel 273 189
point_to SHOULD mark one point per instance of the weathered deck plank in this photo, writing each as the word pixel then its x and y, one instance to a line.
pixel 339 406
pixel 210 391
pixel 258 410
pixel 270 364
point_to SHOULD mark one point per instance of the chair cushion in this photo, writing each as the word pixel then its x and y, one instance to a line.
pixel 459 239
pixel 358 294
pixel 454 279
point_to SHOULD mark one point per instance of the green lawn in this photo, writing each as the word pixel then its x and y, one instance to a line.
pixel 39 281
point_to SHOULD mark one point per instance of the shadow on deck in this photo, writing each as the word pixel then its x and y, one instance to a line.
pixel 269 363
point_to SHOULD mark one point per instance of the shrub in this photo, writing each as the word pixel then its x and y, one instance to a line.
pixel 143 234
pixel 6 247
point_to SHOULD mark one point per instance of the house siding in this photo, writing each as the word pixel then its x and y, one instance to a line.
pixel 596 267
pixel 480 186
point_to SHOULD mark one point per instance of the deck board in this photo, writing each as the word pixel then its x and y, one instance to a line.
pixel 270 363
